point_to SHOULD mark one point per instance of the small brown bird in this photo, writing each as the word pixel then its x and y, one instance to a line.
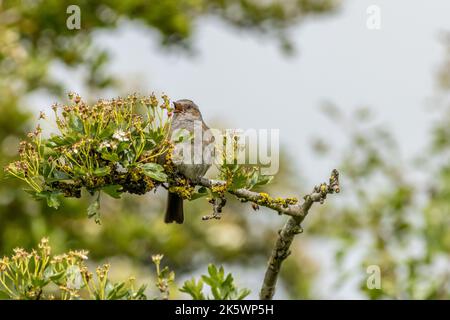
pixel 187 117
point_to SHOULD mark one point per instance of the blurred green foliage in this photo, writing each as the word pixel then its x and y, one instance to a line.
pixel 397 211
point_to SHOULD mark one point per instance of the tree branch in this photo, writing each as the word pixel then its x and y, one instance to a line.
pixel 282 206
pixel 297 213
pixel 293 227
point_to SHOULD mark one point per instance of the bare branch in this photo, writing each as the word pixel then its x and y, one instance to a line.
pixel 288 206
pixel 286 235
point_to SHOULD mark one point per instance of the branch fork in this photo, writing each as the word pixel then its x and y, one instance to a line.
pixel 289 206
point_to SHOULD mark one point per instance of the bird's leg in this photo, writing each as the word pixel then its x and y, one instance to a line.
pixel 218 203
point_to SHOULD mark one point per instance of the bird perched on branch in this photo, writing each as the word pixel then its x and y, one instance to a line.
pixel 192 157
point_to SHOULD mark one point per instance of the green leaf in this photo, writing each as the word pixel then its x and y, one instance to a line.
pixel 101 172
pixel 52 198
pixel 242 294
pixel 202 192
pixel 59 175
pixel 80 171
pixel 59 141
pixel 46 168
pixel 151 166
pixel 239 181
pixel 106 133
pixel 208 280
pixel 39 281
pixel 221 287
pixel 158 176
pixel 194 289
pixel 113 190
pixel 140 293
pixel 54 276
pixel 116 291
pixel 113 157
pixel 149 144
pixel 154 171
pixel 153 139
pixel 212 270
pixel 76 124
pixel 123 146
pixel 262 180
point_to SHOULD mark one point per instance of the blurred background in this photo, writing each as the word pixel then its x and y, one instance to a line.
pixel 373 103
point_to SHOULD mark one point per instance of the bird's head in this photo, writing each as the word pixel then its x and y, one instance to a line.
pixel 186 107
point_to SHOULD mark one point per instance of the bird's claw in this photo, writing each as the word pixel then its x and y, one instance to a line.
pixel 218 204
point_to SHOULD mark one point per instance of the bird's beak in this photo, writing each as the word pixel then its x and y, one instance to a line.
pixel 177 107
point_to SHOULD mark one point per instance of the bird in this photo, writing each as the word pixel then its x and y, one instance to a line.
pixel 187 116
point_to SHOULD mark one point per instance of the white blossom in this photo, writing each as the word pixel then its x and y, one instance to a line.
pixel 120 135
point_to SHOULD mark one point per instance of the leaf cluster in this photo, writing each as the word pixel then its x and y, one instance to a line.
pixel 113 146
pixel 39 275
pixel 222 287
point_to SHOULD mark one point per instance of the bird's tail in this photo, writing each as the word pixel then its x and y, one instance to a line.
pixel 174 211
